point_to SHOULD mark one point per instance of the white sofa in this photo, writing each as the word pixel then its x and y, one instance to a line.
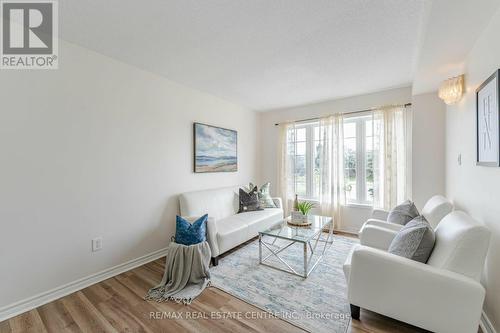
pixel 225 228
pixel 377 232
pixel 444 295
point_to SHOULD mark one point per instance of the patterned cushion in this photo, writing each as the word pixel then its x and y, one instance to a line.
pixel 249 201
pixel 414 241
pixel 264 195
pixel 403 213
pixel 190 234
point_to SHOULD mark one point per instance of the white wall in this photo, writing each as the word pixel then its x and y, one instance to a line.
pixel 476 189
pixel 353 218
pixel 98 148
pixel 428 147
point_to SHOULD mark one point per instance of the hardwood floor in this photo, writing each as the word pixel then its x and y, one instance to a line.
pixel 117 305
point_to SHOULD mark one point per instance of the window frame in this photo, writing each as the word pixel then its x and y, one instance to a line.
pixel 360 122
pixel 309 159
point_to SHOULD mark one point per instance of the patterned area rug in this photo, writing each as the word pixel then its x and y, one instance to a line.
pixel 317 304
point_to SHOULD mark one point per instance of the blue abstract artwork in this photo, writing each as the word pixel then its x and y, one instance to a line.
pixel 215 149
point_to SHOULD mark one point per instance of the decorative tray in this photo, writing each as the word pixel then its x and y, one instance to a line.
pixel 298 223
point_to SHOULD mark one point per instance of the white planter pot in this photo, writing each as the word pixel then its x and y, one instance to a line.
pixel 298 217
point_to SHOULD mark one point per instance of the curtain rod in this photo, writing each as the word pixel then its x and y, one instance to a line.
pixel 349 112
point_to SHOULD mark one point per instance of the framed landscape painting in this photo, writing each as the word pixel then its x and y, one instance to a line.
pixel 488 122
pixel 215 149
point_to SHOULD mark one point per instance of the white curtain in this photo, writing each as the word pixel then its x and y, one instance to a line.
pixel 286 165
pixel 331 173
pixel 391 139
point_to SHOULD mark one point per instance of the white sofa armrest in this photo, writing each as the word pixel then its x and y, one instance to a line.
pixel 376 236
pixel 422 295
pixel 211 233
pixel 212 236
pixel 278 202
pixel 383 224
pixel 380 214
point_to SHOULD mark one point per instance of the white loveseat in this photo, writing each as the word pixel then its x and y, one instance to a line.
pixel 226 228
pixel 444 295
pixel 377 232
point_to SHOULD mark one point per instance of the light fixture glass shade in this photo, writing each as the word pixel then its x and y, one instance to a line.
pixel 451 90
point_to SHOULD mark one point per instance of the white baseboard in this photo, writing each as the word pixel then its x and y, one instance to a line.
pixel 30 303
pixel 349 232
pixel 486 325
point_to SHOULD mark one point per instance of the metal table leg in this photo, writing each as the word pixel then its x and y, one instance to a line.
pixel 305 260
pixel 309 264
pixel 260 248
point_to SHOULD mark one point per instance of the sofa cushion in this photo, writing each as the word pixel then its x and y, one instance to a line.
pixel 239 228
pixel 253 217
pixel 229 225
pixel 231 232
pixel 378 236
pixel 190 234
pixel 249 201
pixel 261 220
pixel 414 241
pixel 403 213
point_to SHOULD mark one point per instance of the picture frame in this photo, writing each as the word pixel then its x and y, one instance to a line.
pixel 215 149
pixel 488 122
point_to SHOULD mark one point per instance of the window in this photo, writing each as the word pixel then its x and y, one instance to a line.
pixel 359 159
pixel 304 148
pixel 365 162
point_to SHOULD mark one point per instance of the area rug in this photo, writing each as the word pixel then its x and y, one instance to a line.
pixel 317 304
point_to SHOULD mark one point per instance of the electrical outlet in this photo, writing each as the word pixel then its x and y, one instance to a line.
pixel 97 244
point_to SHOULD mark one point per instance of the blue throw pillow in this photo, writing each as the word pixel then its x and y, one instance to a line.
pixel 190 234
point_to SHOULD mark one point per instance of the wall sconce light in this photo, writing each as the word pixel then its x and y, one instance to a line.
pixel 452 90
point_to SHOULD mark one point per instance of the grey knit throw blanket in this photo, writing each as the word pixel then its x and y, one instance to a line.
pixel 186 273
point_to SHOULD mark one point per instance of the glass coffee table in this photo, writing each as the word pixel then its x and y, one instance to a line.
pixel 308 236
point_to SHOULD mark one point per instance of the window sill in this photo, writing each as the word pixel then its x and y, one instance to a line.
pixel 314 201
pixel 348 205
pixel 358 205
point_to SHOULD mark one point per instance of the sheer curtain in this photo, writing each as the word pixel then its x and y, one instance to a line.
pixel 331 171
pixel 390 160
pixel 286 166
pixel 330 174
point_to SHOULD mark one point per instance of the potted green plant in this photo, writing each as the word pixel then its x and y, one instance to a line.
pixel 303 209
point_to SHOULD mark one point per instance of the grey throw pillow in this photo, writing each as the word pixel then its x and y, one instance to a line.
pixel 264 195
pixel 414 241
pixel 403 213
pixel 249 201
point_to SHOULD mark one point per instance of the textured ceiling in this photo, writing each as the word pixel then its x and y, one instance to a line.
pixel 260 54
